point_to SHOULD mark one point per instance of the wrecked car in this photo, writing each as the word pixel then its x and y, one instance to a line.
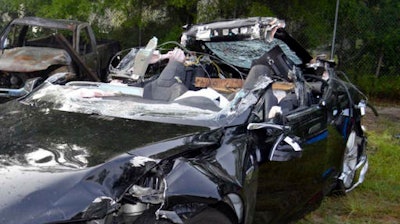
pixel 35 48
pixel 91 152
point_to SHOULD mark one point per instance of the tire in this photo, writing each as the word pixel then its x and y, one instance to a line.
pixel 350 161
pixel 354 155
pixel 209 216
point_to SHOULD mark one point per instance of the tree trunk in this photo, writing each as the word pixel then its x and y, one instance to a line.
pixel 380 61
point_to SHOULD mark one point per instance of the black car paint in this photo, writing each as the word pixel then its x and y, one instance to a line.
pixel 215 171
pixel 86 184
pixel 225 161
pixel 203 164
pixel 83 184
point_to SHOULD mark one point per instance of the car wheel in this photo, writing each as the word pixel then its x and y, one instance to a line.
pixel 350 161
pixel 209 216
pixel 355 164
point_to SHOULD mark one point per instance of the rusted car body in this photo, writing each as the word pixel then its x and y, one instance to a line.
pixel 31 48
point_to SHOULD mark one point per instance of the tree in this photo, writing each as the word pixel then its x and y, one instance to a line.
pixel 367 39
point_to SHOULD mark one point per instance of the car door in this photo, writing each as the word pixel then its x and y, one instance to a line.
pixel 87 49
pixel 293 161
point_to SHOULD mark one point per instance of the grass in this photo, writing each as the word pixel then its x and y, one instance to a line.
pixel 377 200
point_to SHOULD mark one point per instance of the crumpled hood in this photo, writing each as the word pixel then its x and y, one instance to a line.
pixel 30 59
pixel 54 164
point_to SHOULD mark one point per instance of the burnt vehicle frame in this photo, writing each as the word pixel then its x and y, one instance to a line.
pixel 34 48
pixel 186 164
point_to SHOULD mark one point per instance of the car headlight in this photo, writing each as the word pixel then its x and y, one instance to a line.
pixel 149 190
pixel 151 186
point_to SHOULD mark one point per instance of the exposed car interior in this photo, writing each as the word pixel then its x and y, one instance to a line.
pixel 202 83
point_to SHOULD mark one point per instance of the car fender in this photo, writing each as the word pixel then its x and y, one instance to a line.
pixel 191 188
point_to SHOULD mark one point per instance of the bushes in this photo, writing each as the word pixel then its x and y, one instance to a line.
pixel 386 88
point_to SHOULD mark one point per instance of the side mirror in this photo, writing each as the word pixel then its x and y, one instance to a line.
pixel 285 148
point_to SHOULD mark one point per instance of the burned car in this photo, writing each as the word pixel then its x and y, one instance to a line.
pixel 278 141
pixel 34 48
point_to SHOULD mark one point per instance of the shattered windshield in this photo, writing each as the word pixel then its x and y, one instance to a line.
pixel 242 53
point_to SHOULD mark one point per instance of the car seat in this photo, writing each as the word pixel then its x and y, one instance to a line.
pixel 169 85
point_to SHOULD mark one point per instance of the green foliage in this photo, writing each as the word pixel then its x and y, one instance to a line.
pixel 260 9
pixel 182 3
pixel 72 9
pixel 173 34
pixel 370 28
pixel 384 87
